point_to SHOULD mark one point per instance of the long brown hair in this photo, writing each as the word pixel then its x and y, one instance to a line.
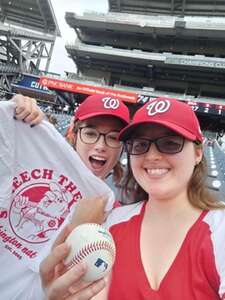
pixel 198 193
pixel 117 172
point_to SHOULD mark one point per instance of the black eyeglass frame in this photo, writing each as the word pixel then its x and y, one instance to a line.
pixel 154 141
pixel 99 135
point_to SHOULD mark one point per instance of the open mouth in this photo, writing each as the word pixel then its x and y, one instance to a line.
pixel 97 162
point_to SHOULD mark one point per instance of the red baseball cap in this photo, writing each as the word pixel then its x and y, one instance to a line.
pixel 171 113
pixel 102 105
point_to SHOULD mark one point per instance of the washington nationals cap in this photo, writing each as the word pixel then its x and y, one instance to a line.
pixel 101 105
pixel 171 113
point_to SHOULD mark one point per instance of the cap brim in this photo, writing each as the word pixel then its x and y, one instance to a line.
pixel 126 132
pixel 97 114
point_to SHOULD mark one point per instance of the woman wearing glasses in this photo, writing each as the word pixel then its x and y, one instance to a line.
pixel 174 231
pixel 94 135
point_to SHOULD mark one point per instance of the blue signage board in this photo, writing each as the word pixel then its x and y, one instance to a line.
pixel 31 82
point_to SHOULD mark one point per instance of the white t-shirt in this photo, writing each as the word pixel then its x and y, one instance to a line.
pixel 41 180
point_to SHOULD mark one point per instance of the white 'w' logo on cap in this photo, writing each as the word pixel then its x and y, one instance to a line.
pixel 111 103
pixel 158 107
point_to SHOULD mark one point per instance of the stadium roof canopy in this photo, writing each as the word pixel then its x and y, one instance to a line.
pixel 183 35
pixel 174 7
pixel 30 14
pixel 187 26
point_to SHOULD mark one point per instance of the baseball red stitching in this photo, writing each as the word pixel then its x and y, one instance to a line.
pixel 88 249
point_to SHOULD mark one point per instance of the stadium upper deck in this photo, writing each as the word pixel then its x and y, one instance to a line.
pixel 183 35
pixel 167 53
pixel 28 29
pixel 171 48
pixel 31 14
pixel 175 7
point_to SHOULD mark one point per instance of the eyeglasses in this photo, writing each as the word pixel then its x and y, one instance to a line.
pixel 89 135
pixel 170 144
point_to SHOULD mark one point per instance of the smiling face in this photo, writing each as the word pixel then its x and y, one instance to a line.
pixel 161 175
pixel 99 157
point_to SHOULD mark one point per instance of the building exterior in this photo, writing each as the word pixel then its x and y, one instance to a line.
pixel 156 48
pixel 28 30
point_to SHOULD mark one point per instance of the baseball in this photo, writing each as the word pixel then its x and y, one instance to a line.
pixel 93 244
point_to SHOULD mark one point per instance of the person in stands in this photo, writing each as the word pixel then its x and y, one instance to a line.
pixel 94 136
pixel 94 132
pixel 175 226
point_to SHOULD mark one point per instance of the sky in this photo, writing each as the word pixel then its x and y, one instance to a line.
pixel 60 61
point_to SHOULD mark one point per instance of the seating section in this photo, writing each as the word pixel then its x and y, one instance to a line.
pixel 63 121
pixel 216 168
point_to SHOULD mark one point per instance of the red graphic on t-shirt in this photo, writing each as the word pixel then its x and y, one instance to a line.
pixel 38 210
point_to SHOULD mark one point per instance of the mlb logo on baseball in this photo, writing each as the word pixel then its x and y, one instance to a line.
pixel 101 264
pixel 94 245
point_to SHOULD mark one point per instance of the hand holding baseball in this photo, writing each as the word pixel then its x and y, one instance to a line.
pixel 59 283
pixel 93 244
pixel 90 211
